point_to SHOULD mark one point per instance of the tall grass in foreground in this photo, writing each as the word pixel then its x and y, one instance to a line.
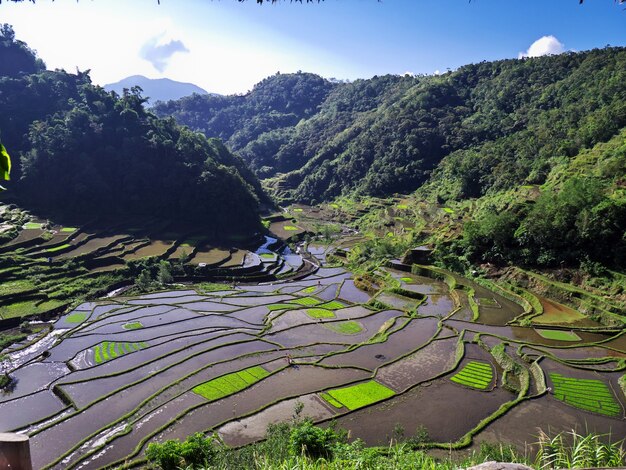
pixel 578 451
pixel 290 446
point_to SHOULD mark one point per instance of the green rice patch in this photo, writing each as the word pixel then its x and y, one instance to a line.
pixel 348 327
pixel 298 209
pixel 474 375
pixel 267 255
pixel 448 210
pixel 135 325
pixel 108 350
pixel 230 383
pixel 360 395
pixel 58 248
pixel 68 229
pixel 334 206
pixel 406 279
pixel 332 305
pixel 309 290
pixel 77 317
pixel 320 313
pixel 290 228
pixel 585 394
pixel 306 301
pixel 275 307
pixel 327 398
pixel 558 335
pixel 32 225
pixel 402 206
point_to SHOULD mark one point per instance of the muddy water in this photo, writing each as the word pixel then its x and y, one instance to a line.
pixel 436 305
pixel 555 313
pixel 521 425
pixel 33 378
pixel 287 383
pixel 352 294
pixel 441 407
pixel 29 409
pixel 253 428
pixel 428 362
pixel 412 336
pixel 86 392
pixel 255 301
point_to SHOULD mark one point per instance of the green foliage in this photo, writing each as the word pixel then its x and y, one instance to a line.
pixel 195 451
pixel 320 313
pixel 164 275
pixel 573 450
pixel 313 441
pixel 5 163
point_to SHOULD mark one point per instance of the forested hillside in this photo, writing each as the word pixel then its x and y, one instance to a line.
pixel 79 150
pixel 484 127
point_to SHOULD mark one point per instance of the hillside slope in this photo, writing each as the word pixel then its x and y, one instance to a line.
pixel 486 126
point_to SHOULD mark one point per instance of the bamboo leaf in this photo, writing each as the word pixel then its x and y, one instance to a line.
pixel 5 163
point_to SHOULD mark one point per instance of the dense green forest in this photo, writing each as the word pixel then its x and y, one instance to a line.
pixel 79 150
pixel 484 127
pixel 478 133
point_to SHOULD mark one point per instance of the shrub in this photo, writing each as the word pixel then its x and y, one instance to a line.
pixel 314 441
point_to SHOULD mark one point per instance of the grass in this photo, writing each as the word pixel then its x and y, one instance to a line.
pixel 290 228
pixel 77 317
pixel 58 248
pixel 558 335
pixel 572 450
pixel 332 305
pixel 212 287
pixel 585 394
pixel 475 374
pixel 14 287
pixel 402 206
pixel 108 350
pixel 306 301
pixel 360 395
pixel 135 325
pixel 348 327
pixel 230 383
pixel 448 210
pixel 320 313
pixel 487 302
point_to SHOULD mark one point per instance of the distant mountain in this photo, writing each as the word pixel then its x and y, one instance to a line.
pixel 156 89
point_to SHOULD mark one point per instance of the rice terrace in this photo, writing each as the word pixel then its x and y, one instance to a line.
pixel 407 345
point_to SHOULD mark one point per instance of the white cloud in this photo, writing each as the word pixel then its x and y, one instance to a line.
pixel 546 45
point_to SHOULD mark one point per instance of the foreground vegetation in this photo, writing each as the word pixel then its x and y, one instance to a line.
pixel 301 445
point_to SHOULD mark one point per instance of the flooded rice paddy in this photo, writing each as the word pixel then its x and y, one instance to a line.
pixel 96 391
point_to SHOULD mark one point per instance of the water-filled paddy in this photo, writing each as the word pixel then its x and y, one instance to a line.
pixel 314 338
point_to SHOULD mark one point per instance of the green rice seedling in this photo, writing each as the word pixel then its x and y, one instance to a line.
pixel 320 313
pixel 332 305
pixel 290 228
pixel 348 327
pixel 360 395
pixel 230 383
pixel 135 325
pixel 77 317
pixel 585 394
pixel 326 397
pixel 475 375
pixel 558 335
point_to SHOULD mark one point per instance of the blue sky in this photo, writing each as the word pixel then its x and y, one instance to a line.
pixel 226 46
